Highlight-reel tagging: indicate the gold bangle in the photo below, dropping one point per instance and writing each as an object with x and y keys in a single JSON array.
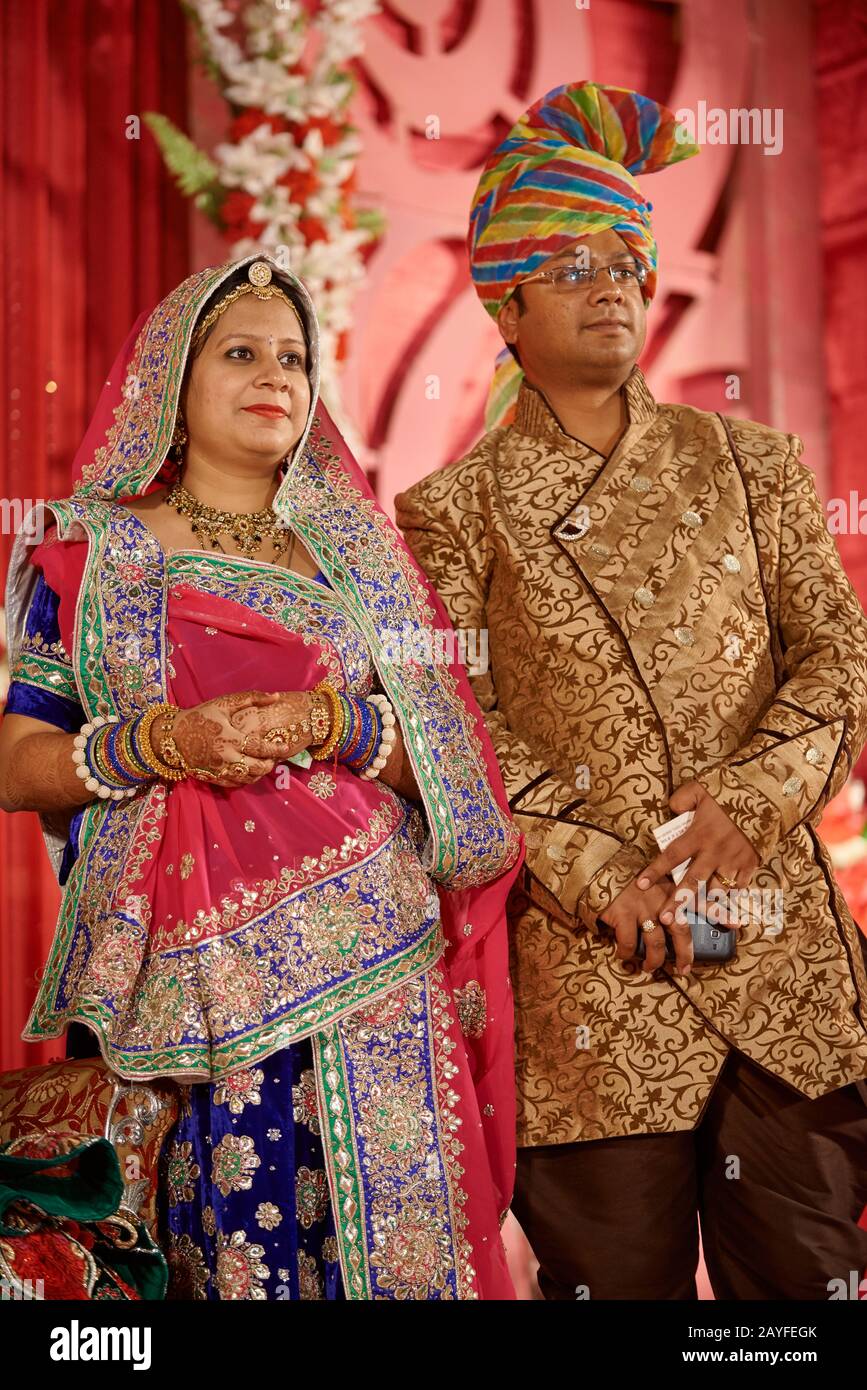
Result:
[
  {"x": 159, "y": 767},
  {"x": 320, "y": 717},
  {"x": 324, "y": 750},
  {"x": 169, "y": 751}
]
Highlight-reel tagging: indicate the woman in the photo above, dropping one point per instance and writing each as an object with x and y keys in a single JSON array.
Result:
[{"x": 315, "y": 948}]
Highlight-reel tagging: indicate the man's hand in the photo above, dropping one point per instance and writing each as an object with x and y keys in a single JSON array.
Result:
[
  {"x": 713, "y": 844},
  {"x": 632, "y": 907}
]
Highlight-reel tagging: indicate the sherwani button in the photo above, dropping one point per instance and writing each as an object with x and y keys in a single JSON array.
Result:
[
  {"x": 645, "y": 597},
  {"x": 792, "y": 786},
  {"x": 692, "y": 519},
  {"x": 732, "y": 564},
  {"x": 813, "y": 755},
  {"x": 640, "y": 484},
  {"x": 685, "y": 636},
  {"x": 601, "y": 549}
]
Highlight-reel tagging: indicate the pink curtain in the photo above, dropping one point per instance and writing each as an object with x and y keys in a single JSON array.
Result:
[
  {"x": 841, "y": 65},
  {"x": 93, "y": 232}
]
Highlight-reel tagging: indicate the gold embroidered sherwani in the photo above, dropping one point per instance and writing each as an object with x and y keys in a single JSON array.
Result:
[{"x": 672, "y": 612}]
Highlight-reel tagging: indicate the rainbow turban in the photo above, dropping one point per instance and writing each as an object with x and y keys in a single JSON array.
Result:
[{"x": 564, "y": 171}]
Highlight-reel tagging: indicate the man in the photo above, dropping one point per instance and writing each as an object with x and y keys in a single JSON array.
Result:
[{"x": 670, "y": 629}]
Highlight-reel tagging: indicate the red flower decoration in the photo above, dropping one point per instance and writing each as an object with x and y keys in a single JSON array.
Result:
[
  {"x": 301, "y": 183},
  {"x": 250, "y": 120},
  {"x": 312, "y": 229},
  {"x": 235, "y": 215},
  {"x": 331, "y": 132}
]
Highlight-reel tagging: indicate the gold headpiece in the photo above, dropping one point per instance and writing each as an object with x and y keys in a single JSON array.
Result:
[{"x": 259, "y": 278}]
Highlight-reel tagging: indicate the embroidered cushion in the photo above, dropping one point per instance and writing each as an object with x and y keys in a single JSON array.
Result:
[{"x": 85, "y": 1098}]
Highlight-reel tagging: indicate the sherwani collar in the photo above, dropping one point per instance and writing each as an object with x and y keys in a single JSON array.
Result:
[{"x": 534, "y": 416}]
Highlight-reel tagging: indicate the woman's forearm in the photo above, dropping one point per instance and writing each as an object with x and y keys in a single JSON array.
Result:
[
  {"x": 38, "y": 774},
  {"x": 398, "y": 772}
]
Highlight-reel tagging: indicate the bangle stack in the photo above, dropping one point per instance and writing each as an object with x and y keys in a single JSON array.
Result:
[
  {"x": 387, "y": 737},
  {"x": 114, "y": 757},
  {"x": 361, "y": 733}
]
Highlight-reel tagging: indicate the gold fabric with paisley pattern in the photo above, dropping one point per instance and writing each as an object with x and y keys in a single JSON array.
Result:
[{"x": 633, "y": 650}]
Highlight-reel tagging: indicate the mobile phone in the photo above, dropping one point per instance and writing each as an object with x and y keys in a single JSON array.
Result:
[{"x": 711, "y": 945}]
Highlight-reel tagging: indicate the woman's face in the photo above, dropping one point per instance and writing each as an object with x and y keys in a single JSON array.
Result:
[{"x": 247, "y": 396}]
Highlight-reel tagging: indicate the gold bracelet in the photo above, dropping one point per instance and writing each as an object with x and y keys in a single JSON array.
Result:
[
  {"x": 160, "y": 768},
  {"x": 324, "y": 750},
  {"x": 169, "y": 751},
  {"x": 320, "y": 716}
]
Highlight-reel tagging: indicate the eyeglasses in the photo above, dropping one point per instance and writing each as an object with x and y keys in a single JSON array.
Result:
[{"x": 565, "y": 278}]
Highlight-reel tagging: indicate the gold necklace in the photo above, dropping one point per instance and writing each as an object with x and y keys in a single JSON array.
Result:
[{"x": 249, "y": 530}]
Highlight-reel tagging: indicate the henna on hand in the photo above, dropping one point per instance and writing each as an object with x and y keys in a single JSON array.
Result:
[
  {"x": 209, "y": 741},
  {"x": 198, "y": 738},
  {"x": 38, "y": 774},
  {"x": 292, "y": 707}
]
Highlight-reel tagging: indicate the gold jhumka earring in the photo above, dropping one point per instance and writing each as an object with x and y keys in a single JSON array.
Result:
[{"x": 179, "y": 439}]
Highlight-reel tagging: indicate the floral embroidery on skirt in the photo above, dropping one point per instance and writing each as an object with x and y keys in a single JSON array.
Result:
[{"x": 244, "y": 1207}]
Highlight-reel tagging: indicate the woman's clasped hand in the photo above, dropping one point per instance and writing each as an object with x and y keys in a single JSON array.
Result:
[{"x": 235, "y": 739}]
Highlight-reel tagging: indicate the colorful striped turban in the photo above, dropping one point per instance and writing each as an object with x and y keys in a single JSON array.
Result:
[{"x": 566, "y": 170}]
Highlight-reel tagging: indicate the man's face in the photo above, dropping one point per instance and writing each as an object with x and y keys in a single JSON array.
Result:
[{"x": 593, "y": 333}]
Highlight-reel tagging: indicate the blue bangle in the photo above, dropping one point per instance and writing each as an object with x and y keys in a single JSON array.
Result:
[
  {"x": 366, "y": 725},
  {"x": 134, "y": 743},
  {"x": 373, "y": 742},
  {"x": 111, "y": 754},
  {"x": 377, "y": 743},
  {"x": 101, "y": 773}
]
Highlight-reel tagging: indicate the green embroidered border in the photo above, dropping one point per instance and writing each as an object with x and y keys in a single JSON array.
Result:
[
  {"x": 89, "y": 635},
  {"x": 341, "y": 1157},
  {"x": 38, "y": 1026},
  {"x": 49, "y": 673},
  {"x": 353, "y": 1168}
]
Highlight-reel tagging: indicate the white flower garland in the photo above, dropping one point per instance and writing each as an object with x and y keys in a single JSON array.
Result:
[{"x": 256, "y": 78}]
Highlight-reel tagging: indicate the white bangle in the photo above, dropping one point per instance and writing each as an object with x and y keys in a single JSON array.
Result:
[
  {"x": 84, "y": 770},
  {"x": 388, "y": 739}
]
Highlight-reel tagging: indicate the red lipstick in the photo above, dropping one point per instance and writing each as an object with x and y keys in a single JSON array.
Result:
[{"x": 272, "y": 412}]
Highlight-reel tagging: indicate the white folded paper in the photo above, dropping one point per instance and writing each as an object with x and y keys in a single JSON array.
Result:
[{"x": 669, "y": 831}]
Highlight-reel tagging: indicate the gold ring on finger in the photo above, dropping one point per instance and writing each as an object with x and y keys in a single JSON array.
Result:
[
  {"x": 648, "y": 925},
  {"x": 726, "y": 882},
  {"x": 279, "y": 735}
]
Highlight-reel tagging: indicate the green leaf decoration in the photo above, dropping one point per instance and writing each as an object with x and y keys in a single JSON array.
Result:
[
  {"x": 372, "y": 220},
  {"x": 193, "y": 170}
]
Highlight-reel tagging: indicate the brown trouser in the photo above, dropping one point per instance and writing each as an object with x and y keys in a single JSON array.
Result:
[{"x": 778, "y": 1182}]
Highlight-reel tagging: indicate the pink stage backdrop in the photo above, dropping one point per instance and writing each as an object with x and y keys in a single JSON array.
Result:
[{"x": 442, "y": 82}]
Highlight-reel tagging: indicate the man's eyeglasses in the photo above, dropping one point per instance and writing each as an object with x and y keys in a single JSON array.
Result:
[{"x": 568, "y": 277}]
